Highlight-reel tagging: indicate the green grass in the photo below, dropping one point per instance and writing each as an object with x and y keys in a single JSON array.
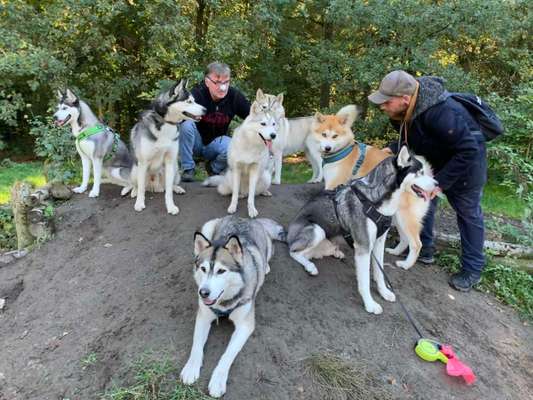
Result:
[
  {"x": 505, "y": 281},
  {"x": 502, "y": 200},
  {"x": 12, "y": 172},
  {"x": 154, "y": 379}
]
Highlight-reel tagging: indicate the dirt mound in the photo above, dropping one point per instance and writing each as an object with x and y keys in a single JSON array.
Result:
[{"x": 114, "y": 283}]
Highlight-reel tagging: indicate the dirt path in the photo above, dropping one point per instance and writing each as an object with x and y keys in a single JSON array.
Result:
[{"x": 116, "y": 283}]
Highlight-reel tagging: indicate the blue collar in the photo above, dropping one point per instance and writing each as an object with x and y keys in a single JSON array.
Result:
[
  {"x": 360, "y": 160},
  {"x": 339, "y": 155}
]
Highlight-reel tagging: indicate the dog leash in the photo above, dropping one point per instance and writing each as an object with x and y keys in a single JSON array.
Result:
[
  {"x": 391, "y": 288},
  {"x": 431, "y": 350}
]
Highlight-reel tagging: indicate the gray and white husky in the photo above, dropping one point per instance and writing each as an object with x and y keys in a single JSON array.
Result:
[
  {"x": 231, "y": 261},
  {"x": 294, "y": 135},
  {"x": 359, "y": 211},
  {"x": 154, "y": 140},
  {"x": 97, "y": 145},
  {"x": 249, "y": 151}
]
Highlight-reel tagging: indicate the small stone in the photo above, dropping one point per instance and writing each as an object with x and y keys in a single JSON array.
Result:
[
  {"x": 2, "y": 304},
  {"x": 392, "y": 381},
  {"x": 24, "y": 334},
  {"x": 451, "y": 296},
  {"x": 108, "y": 245}
]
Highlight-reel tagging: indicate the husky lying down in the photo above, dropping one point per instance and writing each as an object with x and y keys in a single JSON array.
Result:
[
  {"x": 231, "y": 261},
  {"x": 360, "y": 211}
]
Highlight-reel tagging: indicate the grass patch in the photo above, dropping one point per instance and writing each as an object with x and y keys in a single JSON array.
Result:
[
  {"x": 31, "y": 172},
  {"x": 154, "y": 379},
  {"x": 502, "y": 200},
  {"x": 337, "y": 379},
  {"x": 507, "y": 283}
]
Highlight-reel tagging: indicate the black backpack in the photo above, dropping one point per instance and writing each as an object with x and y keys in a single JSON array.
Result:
[{"x": 488, "y": 121}]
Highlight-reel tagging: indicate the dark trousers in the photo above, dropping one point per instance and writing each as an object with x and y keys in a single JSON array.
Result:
[{"x": 467, "y": 206}]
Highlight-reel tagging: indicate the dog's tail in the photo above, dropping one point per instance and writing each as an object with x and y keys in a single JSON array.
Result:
[
  {"x": 274, "y": 230},
  {"x": 121, "y": 175},
  {"x": 300, "y": 235},
  {"x": 213, "y": 181}
]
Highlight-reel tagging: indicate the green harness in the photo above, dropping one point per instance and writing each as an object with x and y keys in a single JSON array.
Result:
[{"x": 95, "y": 130}]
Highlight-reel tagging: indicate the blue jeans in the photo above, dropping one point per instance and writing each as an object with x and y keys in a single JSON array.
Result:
[
  {"x": 467, "y": 206},
  {"x": 191, "y": 146}
]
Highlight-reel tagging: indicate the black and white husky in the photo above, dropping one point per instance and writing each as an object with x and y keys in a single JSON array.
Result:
[
  {"x": 231, "y": 261},
  {"x": 97, "y": 145},
  {"x": 154, "y": 141},
  {"x": 360, "y": 211}
]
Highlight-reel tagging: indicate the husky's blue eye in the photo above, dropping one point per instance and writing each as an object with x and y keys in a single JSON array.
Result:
[{"x": 221, "y": 271}]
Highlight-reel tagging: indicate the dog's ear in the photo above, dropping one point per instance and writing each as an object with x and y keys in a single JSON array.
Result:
[
  {"x": 70, "y": 98},
  {"x": 319, "y": 117},
  {"x": 259, "y": 95},
  {"x": 404, "y": 157},
  {"x": 59, "y": 95},
  {"x": 348, "y": 114},
  {"x": 200, "y": 243},
  {"x": 178, "y": 88},
  {"x": 255, "y": 108},
  {"x": 279, "y": 99},
  {"x": 233, "y": 245}
]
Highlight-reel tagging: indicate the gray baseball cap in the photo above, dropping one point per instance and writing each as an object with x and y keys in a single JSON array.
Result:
[{"x": 395, "y": 83}]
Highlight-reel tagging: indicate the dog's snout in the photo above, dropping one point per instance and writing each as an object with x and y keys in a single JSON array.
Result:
[
  {"x": 327, "y": 148},
  {"x": 273, "y": 135},
  {"x": 204, "y": 293}
]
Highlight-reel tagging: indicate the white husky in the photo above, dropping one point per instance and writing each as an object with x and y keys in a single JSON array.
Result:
[
  {"x": 248, "y": 160},
  {"x": 294, "y": 135}
]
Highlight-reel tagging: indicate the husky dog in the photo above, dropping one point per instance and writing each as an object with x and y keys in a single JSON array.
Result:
[
  {"x": 96, "y": 143},
  {"x": 154, "y": 140},
  {"x": 231, "y": 261},
  {"x": 248, "y": 160},
  {"x": 361, "y": 212},
  {"x": 294, "y": 135},
  {"x": 344, "y": 159}
]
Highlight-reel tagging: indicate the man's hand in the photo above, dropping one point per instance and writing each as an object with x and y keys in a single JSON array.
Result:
[{"x": 435, "y": 192}]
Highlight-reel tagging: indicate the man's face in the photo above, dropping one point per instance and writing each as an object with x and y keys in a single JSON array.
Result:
[
  {"x": 218, "y": 85},
  {"x": 396, "y": 107}
]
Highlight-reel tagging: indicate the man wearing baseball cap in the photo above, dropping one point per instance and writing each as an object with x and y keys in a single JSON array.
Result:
[{"x": 436, "y": 126}]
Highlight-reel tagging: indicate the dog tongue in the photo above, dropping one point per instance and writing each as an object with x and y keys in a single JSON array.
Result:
[{"x": 269, "y": 145}]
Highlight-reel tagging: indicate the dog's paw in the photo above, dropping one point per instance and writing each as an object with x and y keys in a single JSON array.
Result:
[
  {"x": 373, "y": 308},
  {"x": 133, "y": 193},
  {"x": 125, "y": 190},
  {"x": 393, "y": 251},
  {"x": 311, "y": 269},
  {"x": 190, "y": 373},
  {"x": 232, "y": 208},
  {"x": 94, "y": 193},
  {"x": 388, "y": 295},
  {"x": 276, "y": 182},
  {"x": 252, "y": 212},
  {"x": 173, "y": 209},
  {"x": 139, "y": 206},
  {"x": 403, "y": 264},
  {"x": 266, "y": 193},
  {"x": 242, "y": 195},
  {"x": 338, "y": 254},
  {"x": 79, "y": 189},
  {"x": 314, "y": 180},
  {"x": 178, "y": 189},
  {"x": 217, "y": 384}
]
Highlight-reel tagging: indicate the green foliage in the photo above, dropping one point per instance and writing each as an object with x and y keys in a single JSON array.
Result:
[
  {"x": 8, "y": 235},
  {"x": 56, "y": 146},
  {"x": 12, "y": 172},
  {"x": 509, "y": 284}
]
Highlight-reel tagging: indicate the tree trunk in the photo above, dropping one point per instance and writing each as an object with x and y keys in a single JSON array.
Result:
[{"x": 325, "y": 86}]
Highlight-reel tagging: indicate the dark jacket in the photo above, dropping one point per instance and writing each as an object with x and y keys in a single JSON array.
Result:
[
  {"x": 219, "y": 114},
  {"x": 443, "y": 131}
]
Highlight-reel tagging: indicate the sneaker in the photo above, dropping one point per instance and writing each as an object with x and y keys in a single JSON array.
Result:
[
  {"x": 188, "y": 175},
  {"x": 426, "y": 255},
  {"x": 463, "y": 281}
]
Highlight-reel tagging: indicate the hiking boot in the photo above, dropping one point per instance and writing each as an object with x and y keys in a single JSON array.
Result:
[
  {"x": 208, "y": 169},
  {"x": 426, "y": 255},
  {"x": 188, "y": 175},
  {"x": 463, "y": 281}
]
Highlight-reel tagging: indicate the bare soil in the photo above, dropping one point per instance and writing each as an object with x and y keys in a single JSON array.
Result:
[{"x": 116, "y": 283}]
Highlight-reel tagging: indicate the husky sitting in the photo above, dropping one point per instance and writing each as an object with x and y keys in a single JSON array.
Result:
[
  {"x": 231, "y": 261},
  {"x": 248, "y": 160},
  {"x": 361, "y": 212},
  {"x": 154, "y": 140},
  {"x": 96, "y": 143},
  {"x": 294, "y": 135},
  {"x": 344, "y": 159}
]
